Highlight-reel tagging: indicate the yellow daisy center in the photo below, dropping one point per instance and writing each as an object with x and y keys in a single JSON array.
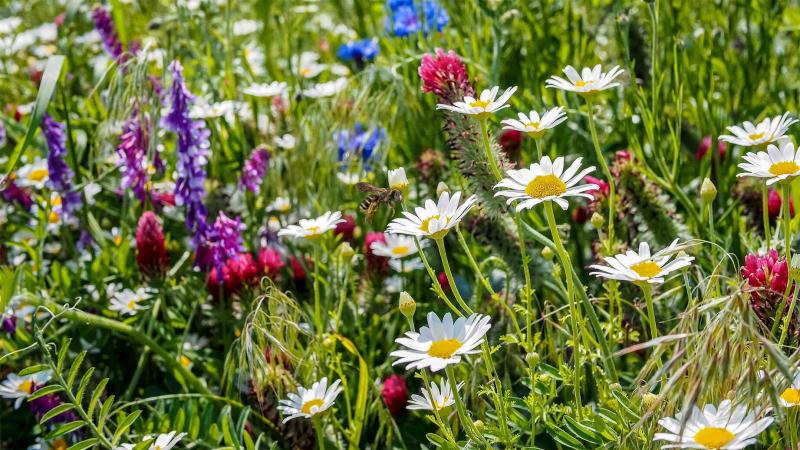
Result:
[
  {"x": 713, "y": 438},
  {"x": 755, "y": 136},
  {"x": 56, "y": 201},
  {"x": 59, "y": 444},
  {"x": 791, "y": 396},
  {"x": 444, "y": 348},
  {"x": 37, "y": 174},
  {"x": 118, "y": 240},
  {"x": 400, "y": 250},
  {"x": 306, "y": 408},
  {"x": 53, "y": 217},
  {"x": 647, "y": 269},
  {"x": 784, "y": 168},
  {"x": 26, "y": 386},
  {"x": 305, "y": 71},
  {"x": 185, "y": 362},
  {"x": 534, "y": 125},
  {"x": 132, "y": 305},
  {"x": 480, "y": 103},
  {"x": 545, "y": 186},
  {"x": 427, "y": 222},
  {"x": 582, "y": 83},
  {"x": 437, "y": 406}
]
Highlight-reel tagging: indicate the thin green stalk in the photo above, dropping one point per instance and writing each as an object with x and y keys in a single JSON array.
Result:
[
  {"x": 318, "y": 430},
  {"x": 317, "y": 307},
  {"x": 651, "y": 314},
  {"x": 765, "y": 214},
  {"x": 527, "y": 295},
  {"x": 609, "y": 178},
  {"x": 488, "y": 147},
  {"x": 436, "y": 287},
  {"x": 463, "y": 415},
  {"x": 566, "y": 264},
  {"x": 538, "y": 148},
  {"x": 788, "y": 316},
  {"x": 450, "y": 279}
]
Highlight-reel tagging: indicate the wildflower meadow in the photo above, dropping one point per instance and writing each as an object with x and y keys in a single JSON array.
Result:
[{"x": 399, "y": 224}]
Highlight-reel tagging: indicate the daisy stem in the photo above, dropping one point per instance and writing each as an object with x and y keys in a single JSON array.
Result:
[
  {"x": 787, "y": 318},
  {"x": 489, "y": 154},
  {"x": 317, "y": 308},
  {"x": 449, "y": 273},
  {"x": 527, "y": 294},
  {"x": 651, "y": 314},
  {"x": 765, "y": 213},
  {"x": 606, "y": 172},
  {"x": 538, "y": 148},
  {"x": 787, "y": 220},
  {"x": 436, "y": 286},
  {"x": 563, "y": 256},
  {"x": 463, "y": 415},
  {"x": 318, "y": 425},
  {"x": 484, "y": 281}
]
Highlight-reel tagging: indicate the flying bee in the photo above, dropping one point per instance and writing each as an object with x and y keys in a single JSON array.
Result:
[{"x": 376, "y": 196}]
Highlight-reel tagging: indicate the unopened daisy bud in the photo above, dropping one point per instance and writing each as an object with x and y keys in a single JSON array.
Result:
[
  {"x": 397, "y": 179},
  {"x": 532, "y": 359},
  {"x": 345, "y": 252},
  {"x": 479, "y": 425},
  {"x": 708, "y": 192},
  {"x": 441, "y": 188},
  {"x": 649, "y": 400},
  {"x": 407, "y": 305},
  {"x": 547, "y": 253},
  {"x": 544, "y": 378},
  {"x": 597, "y": 221}
]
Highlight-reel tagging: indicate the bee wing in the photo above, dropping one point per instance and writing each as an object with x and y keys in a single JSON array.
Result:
[{"x": 366, "y": 187}]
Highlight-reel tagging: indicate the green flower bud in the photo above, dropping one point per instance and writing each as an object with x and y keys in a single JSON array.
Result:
[
  {"x": 532, "y": 358},
  {"x": 441, "y": 187},
  {"x": 708, "y": 192},
  {"x": 407, "y": 305},
  {"x": 345, "y": 252},
  {"x": 547, "y": 254},
  {"x": 649, "y": 400},
  {"x": 479, "y": 425},
  {"x": 597, "y": 221}
]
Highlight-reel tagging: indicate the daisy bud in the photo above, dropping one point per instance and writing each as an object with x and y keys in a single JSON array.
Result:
[
  {"x": 398, "y": 179},
  {"x": 395, "y": 394},
  {"x": 441, "y": 188},
  {"x": 407, "y": 305},
  {"x": 345, "y": 252},
  {"x": 708, "y": 192},
  {"x": 649, "y": 400},
  {"x": 479, "y": 425},
  {"x": 547, "y": 254},
  {"x": 151, "y": 253},
  {"x": 532, "y": 359},
  {"x": 597, "y": 221}
]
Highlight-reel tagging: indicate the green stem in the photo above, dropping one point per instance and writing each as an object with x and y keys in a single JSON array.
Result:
[
  {"x": 318, "y": 430},
  {"x": 317, "y": 307},
  {"x": 527, "y": 294},
  {"x": 436, "y": 286},
  {"x": 787, "y": 220},
  {"x": 489, "y": 153},
  {"x": 450, "y": 279},
  {"x": 463, "y": 415},
  {"x": 609, "y": 178},
  {"x": 788, "y": 316},
  {"x": 765, "y": 214},
  {"x": 651, "y": 315},
  {"x": 85, "y": 319},
  {"x": 538, "y": 148},
  {"x": 566, "y": 264}
]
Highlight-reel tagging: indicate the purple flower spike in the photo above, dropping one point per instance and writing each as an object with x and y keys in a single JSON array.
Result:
[
  {"x": 104, "y": 25},
  {"x": 131, "y": 159},
  {"x": 60, "y": 174},
  {"x": 254, "y": 169}
]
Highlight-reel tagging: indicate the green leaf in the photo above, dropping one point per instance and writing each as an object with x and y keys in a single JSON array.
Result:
[
  {"x": 47, "y": 87},
  {"x": 44, "y": 391},
  {"x": 33, "y": 369},
  {"x": 124, "y": 425},
  {"x": 82, "y": 385},
  {"x": 64, "y": 429},
  {"x": 62, "y": 408},
  {"x": 103, "y": 414},
  {"x": 84, "y": 445},
  {"x": 73, "y": 371},
  {"x": 582, "y": 431},
  {"x": 564, "y": 438},
  {"x": 98, "y": 391},
  {"x": 62, "y": 355}
]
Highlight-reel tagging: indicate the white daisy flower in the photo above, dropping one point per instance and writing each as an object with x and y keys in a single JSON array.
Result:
[
  {"x": 775, "y": 164},
  {"x": 280, "y": 204},
  {"x": 34, "y": 175},
  {"x": 483, "y": 106},
  {"x": 287, "y": 141},
  {"x": 589, "y": 81},
  {"x": 726, "y": 427},
  {"x": 128, "y": 301},
  {"x": 311, "y": 401},
  {"x": 437, "y": 399},
  {"x": 396, "y": 246},
  {"x": 435, "y": 219},
  {"x": 20, "y": 388},
  {"x": 442, "y": 342},
  {"x": 265, "y": 90},
  {"x": 407, "y": 265},
  {"x": 162, "y": 441},
  {"x": 348, "y": 178},
  {"x": 397, "y": 179},
  {"x": 545, "y": 181},
  {"x": 534, "y": 125},
  {"x": 327, "y": 89},
  {"x": 313, "y": 228},
  {"x": 642, "y": 267},
  {"x": 767, "y": 131}
]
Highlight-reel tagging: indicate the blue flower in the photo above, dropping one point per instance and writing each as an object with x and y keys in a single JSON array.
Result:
[
  {"x": 359, "y": 142},
  {"x": 359, "y": 51},
  {"x": 404, "y": 19}
]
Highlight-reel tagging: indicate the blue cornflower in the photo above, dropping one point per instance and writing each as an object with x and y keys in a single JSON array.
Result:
[
  {"x": 359, "y": 51},
  {"x": 405, "y": 19},
  {"x": 359, "y": 142}
]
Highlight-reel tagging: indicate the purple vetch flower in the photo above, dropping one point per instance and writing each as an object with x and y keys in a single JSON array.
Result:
[
  {"x": 60, "y": 174},
  {"x": 104, "y": 25},
  {"x": 193, "y": 149},
  {"x": 85, "y": 241},
  {"x": 254, "y": 169},
  {"x": 2, "y": 135},
  {"x": 15, "y": 194},
  {"x": 225, "y": 240},
  {"x": 9, "y": 324},
  {"x": 131, "y": 159}
]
